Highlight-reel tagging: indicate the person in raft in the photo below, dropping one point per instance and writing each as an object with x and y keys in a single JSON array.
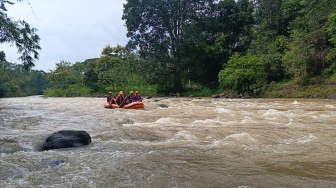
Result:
[
  {"x": 137, "y": 97},
  {"x": 111, "y": 99},
  {"x": 121, "y": 99},
  {"x": 130, "y": 97}
]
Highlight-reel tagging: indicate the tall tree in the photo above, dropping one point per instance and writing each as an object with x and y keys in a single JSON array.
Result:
[
  {"x": 331, "y": 29},
  {"x": 309, "y": 45},
  {"x": 20, "y": 34},
  {"x": 112, "y": 68},
  {"x": 225, "y": 30},
  {"x": 90, "y": 76},
  {"x": 15, "y": 81},
  {"x": 156, "y": 29},
  {"x": 67, "y": 74}
]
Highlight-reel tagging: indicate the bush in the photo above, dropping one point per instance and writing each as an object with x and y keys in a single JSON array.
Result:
[
  {"x": 76, "y": 90},
  {"x": 244, "y": 74},
  {"x": 197, "y": 91}
]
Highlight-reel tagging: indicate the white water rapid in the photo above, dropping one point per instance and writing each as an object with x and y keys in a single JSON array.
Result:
[{"x": 172, "y": 142}]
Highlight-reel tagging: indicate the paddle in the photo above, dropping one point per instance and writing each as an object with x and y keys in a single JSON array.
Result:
[{"x": 122, "y": 104}]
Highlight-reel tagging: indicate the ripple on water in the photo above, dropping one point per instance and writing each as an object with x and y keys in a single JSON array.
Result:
[
  {"x": 301, "y": 140},
  {"x": 238, "y": 139},
  {"x": 183, "y": 137},
  {"x": 207, "y": 122},
  {"x": 222, "y": 110},
  {"x": 166, "y": 120},
  {"x": 192, "y": 143}
]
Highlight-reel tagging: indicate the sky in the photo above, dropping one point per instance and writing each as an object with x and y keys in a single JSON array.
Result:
[{"x": 69, "y": 30}]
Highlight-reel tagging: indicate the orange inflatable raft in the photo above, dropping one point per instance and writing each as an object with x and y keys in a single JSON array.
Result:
[{"x": 133, "y": 105}]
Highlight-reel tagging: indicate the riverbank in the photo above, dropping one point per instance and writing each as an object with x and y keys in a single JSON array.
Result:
[{"x": 319, "y": 88}]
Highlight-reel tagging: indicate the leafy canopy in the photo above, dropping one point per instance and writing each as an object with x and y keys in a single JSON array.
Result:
[{"x": 20, "y": 34}]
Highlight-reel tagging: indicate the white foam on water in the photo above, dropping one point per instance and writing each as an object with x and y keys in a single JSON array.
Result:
[
  {"x": 315, "y": 117},
  {"x": 221, "y": 110},
  {"x": 272, "y": 114},
  {"x": 241, "y": 137},
  {"x": 238, "y": 138},
  {"x": 183, "y": 136},
  {"x": 243, "y": 186},
  {"x": 166, "y": 120},
  {"x": 206, "y": 122},
  {"x": 306, "y": 139},
  {"x": 324, "y": 116},
  {"x": 248, "y": 119},
  {"x": 320, "y": 116},
  {"x": 296, "y": 103},
  {"x": 330, "y": 106},
  {"x": 301, "y": 140},
  {"x": 219, "y": 143},
  {"x": 133, "y": 124},
  {"x": 291, "y": 116}
]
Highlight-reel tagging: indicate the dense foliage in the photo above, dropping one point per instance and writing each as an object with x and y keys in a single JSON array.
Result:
[
  {"x": 15, "y": 81},
  {"x": 254, "y": 47},
  {"x": 20, "y": 34},
  {"x": 115, "y": 70},
  {"x": 187, "y": 40}
]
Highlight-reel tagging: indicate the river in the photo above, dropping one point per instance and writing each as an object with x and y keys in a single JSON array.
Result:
[{"x": 172, "y": 142}]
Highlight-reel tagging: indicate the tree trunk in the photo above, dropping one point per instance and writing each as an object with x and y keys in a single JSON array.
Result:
[{"x": 177, "y": 77}]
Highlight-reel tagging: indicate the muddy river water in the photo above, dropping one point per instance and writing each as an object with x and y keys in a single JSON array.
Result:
[{"x": 172, "y": 142}]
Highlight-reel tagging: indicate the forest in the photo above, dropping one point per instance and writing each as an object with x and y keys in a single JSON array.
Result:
[{"x": 259, "y": 48}]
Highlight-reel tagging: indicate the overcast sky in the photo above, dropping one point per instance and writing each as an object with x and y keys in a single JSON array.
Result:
[{"x": 70, "y": 30}]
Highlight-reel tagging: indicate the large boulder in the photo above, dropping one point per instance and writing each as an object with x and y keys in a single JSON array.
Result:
[{"x": 66, "y": 139}]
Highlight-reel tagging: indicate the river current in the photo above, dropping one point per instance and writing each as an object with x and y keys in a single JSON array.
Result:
[{"x": 172, "y": 142}]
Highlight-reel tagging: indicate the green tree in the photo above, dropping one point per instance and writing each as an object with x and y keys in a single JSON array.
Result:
[
  {"x": 219, "y": 34},
  {"x": 244, "y": 74},
  {"x": 90, "y": 75},
  {"x": 38, "y": 82},
  {"x": 187, "y": 40},
  {"x": 15, "y": 81},
  {"x": 272, "y": 19},
  {"x": 112, "y": 68},
  {"x": 156, "y": 29},
  {"x": 65, "y": 75},
  {"x": 331, "y": 29},
  {"x": 20, "y": 34},
  {"x": 308, "y": 42},
  {"x": 273, "y": 59},
  {"x": 67, "y": 80}
]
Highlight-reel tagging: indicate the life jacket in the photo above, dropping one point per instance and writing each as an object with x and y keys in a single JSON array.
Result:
[
  {"x": 137, "y": 98},
  {"x": 130, "y": 97},
  {"x": 120, "y": 99},
  {"x": 109, "y": 98}
]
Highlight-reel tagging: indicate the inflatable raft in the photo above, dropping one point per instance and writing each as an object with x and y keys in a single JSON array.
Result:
[{"x": 133, "y": 105}]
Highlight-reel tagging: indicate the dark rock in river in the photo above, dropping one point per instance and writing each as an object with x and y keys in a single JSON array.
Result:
[
  {"x": 163, "y": 106},
  {"x": 52, "y": 162},
  {"x": 66, "y": 139}
]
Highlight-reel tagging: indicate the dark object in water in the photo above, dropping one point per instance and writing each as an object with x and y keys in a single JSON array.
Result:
[{"x": 66, "y": 139}]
